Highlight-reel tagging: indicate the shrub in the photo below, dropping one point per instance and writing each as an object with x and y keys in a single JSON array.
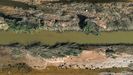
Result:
[
  {"x": 20, "y": 26},
  {"x": 118, "y": 25},
  {"x": 91, "y": 27}
]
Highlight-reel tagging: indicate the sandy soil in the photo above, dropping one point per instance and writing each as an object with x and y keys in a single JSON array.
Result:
[
  {"x": 35, "y": 62},
  {"x": 86, "y": 60},
  {"x": 7, "y": 9}
]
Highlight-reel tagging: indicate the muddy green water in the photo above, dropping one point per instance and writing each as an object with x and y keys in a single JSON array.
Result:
[
  {"x": 15, "y": 4},
  {"x": 46, "y": 37},
  {"x": 57, "y": 71}
]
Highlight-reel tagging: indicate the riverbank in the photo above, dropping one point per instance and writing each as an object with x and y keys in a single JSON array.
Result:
[
  {"x": 93, "y": 60},
  {"x": 90, "y": 18},
  {"x": 85, "y": 60}
]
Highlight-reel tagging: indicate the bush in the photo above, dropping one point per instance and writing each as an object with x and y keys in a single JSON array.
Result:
[
  {"x": 20, "y": 26},
  {"x": 91, "y": 27},
  {"x": 118, "y": 25}
]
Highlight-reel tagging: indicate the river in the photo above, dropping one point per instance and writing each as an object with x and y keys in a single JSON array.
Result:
[{"x": 47, "y": 37}]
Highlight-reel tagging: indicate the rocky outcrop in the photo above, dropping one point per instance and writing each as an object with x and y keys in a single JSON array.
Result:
[{"x": 3, "y": 24}]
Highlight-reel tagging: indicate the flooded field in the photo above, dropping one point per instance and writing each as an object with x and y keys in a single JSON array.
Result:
[{"x": 46, "y": 37}]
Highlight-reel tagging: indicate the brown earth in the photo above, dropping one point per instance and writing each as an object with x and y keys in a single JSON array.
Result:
[
  {"x": 87, "y": 59},
  {"x": 42, "y": 65},
  {"x": 7, "y": 9}
]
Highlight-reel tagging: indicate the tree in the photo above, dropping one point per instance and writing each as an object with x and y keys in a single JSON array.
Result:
[{"x": 91, "y": 27}]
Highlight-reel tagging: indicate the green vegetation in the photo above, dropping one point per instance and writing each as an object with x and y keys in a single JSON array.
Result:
[
  {"x": 16, "y": 53},
  {"x": 91, "y": 27},
  {"x": 121, "y": 24},
  {"x": 56, "y": 52},
  {"x": 116, "y": 16},
  {"x": 21, "y": 26}
]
